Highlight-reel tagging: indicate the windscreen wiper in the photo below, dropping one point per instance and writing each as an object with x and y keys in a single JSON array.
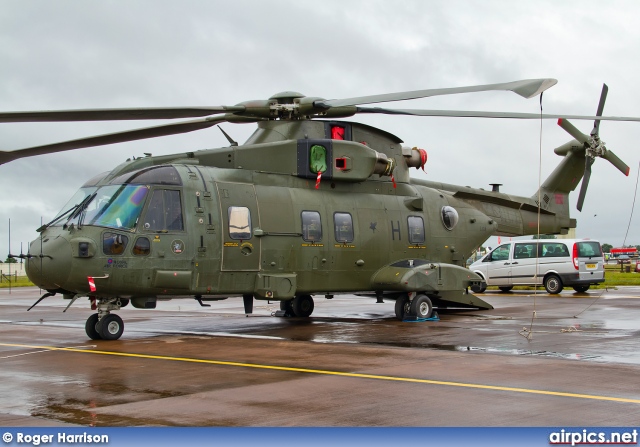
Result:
[{"x": 83, "y": 203}]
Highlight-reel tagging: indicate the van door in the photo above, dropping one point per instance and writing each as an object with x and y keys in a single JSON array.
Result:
[
  {"x": 241, "y": 251},
  {"x": 499, "y": 266},
  {"x": 524, "y": 262},
  {"x": 590, "y": 260}
]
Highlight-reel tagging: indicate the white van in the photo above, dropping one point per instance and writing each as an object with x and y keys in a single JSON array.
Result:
[{"x": 560, "y": 262}]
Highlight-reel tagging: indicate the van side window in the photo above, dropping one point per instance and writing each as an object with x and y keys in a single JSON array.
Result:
[
  {"x": 524, "y": 251},
  {"x": 554, "y": 249},
  {"x": 311, "y": 226},
  {"x": 239, "y": 223},
  {"x": 416, "y": 230},
  {"x": 343, "y": 227},
  {"x": 499, "y": 254}
]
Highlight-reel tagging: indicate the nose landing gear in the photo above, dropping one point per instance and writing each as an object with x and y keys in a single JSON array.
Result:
[{"x": 105, "y": 325}]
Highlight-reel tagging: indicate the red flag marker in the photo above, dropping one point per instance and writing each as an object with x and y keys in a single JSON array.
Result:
[{"x": 92, "y": 284}]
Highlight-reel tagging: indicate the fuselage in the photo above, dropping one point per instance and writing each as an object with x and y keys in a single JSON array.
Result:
[{"x": 253, "y": 220}]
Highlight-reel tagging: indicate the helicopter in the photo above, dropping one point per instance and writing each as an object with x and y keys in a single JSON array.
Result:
[{"x": 309, "y": 205}]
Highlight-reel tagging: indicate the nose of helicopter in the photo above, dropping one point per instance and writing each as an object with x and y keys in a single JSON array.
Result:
[{"x": 50, "y": 263}]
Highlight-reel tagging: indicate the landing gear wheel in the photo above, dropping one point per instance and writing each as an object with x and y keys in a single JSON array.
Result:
[
  {"x": 421, "y": 306},
  {"x": 302, "y": 305},
  {"x": 91, "y": 328},
  {"x": 111, "y": 327},
  {"x": 506, "y": 288},
  {"x": 402, "y": 307},
  {"x": 581, "y": 289},
  {"x": 553, "y": 284},
  {"x": 286, "y": 306}
]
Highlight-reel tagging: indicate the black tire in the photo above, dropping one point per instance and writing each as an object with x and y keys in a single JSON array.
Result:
[
  {"x": 111, "y": 327},
  {"x": 421, "y": 306},
  {"x": 581, "y": 289},
  {"x": 506, "y": 289},
  {"x": 479, "y": 289},
  {"x": 91, "y": 328},
  {"x": 303, "y": 305},
  {"x": 402, "y": 307},
  {"x": 286, "y": 306},
  {"x": 553, "y": 284}
]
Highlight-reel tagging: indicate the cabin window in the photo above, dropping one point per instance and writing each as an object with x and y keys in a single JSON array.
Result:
[
  {"x": 343, "y": 227},
  {"x": 524, "y": 251},
  {"x": 239, "y": 223},
  {"x": 416, "y": 230},
  {"x": 311, "y": 226},
  {"x": 554, "y": 250},
  {"x": 113, "y": 244},
  {"x": 142, "y": 247},
  {"x": 449, "y": 217},
  {"x": 164, "y": 212}
]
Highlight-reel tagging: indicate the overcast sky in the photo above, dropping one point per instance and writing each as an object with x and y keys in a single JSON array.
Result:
[{"x": 134, "y": 53}]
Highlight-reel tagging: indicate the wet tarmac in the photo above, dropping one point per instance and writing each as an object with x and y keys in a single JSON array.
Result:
[{"x": 535, "y": 360}]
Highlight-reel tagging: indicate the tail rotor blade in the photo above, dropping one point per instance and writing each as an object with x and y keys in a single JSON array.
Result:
[
  {"x": 603, "y": 98},
  {"x": 585, "y": 182},
  {"x": 573, "y": 131},
  {"x": 614, "y": 160}
]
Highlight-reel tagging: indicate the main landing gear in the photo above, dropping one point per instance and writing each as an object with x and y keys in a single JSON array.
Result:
[
  {"x": 300, "y": 306},
  {"x": 105, "y": 325},
  {"x": 420, "y": 307}
]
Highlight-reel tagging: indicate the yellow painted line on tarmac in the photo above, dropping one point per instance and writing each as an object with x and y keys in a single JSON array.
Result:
[{"x": 330, "y": 373}]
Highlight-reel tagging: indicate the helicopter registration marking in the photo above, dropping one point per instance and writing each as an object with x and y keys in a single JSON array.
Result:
[{"x": 330, "y": 373}]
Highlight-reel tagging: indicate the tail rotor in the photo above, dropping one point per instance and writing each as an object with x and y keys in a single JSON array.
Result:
[{"x": 593, "y": 147}]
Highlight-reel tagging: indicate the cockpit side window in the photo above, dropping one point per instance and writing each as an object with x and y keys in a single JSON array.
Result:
[{"x": 164, "y": 212}]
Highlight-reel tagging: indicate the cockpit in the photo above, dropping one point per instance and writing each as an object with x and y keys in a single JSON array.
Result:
[{"x": 119, "y": 203}]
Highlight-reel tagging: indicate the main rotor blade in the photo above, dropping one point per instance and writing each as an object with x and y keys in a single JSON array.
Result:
[
  {"x": 481, "y": 114},
  {"x": 603, "y": 98},
  {"x": 115, "y": 114},
  {"x": 585, "y": 182},
  {"x": 112, "y": 138},
  {"x": 614, "y": 160},
  {"x": 527, "y": 88}
]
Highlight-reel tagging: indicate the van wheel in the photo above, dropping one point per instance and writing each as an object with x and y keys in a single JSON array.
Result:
[
  {"x": 580, "y": 289},
  {"x": 553, "y": 284},
  {"x": 506, "y": 288}
]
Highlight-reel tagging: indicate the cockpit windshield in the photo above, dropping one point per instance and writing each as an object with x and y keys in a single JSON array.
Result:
[
  {"x": 117, "y": 204},
  {"x": 113, "y": 206}
]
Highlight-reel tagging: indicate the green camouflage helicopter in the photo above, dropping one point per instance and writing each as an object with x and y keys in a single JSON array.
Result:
[{"x": 308, "y": 205}]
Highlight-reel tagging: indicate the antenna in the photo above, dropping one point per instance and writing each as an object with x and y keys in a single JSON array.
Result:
[
  {"x": 9, "y": 257},
  {"x": 229, "y": 139}
]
